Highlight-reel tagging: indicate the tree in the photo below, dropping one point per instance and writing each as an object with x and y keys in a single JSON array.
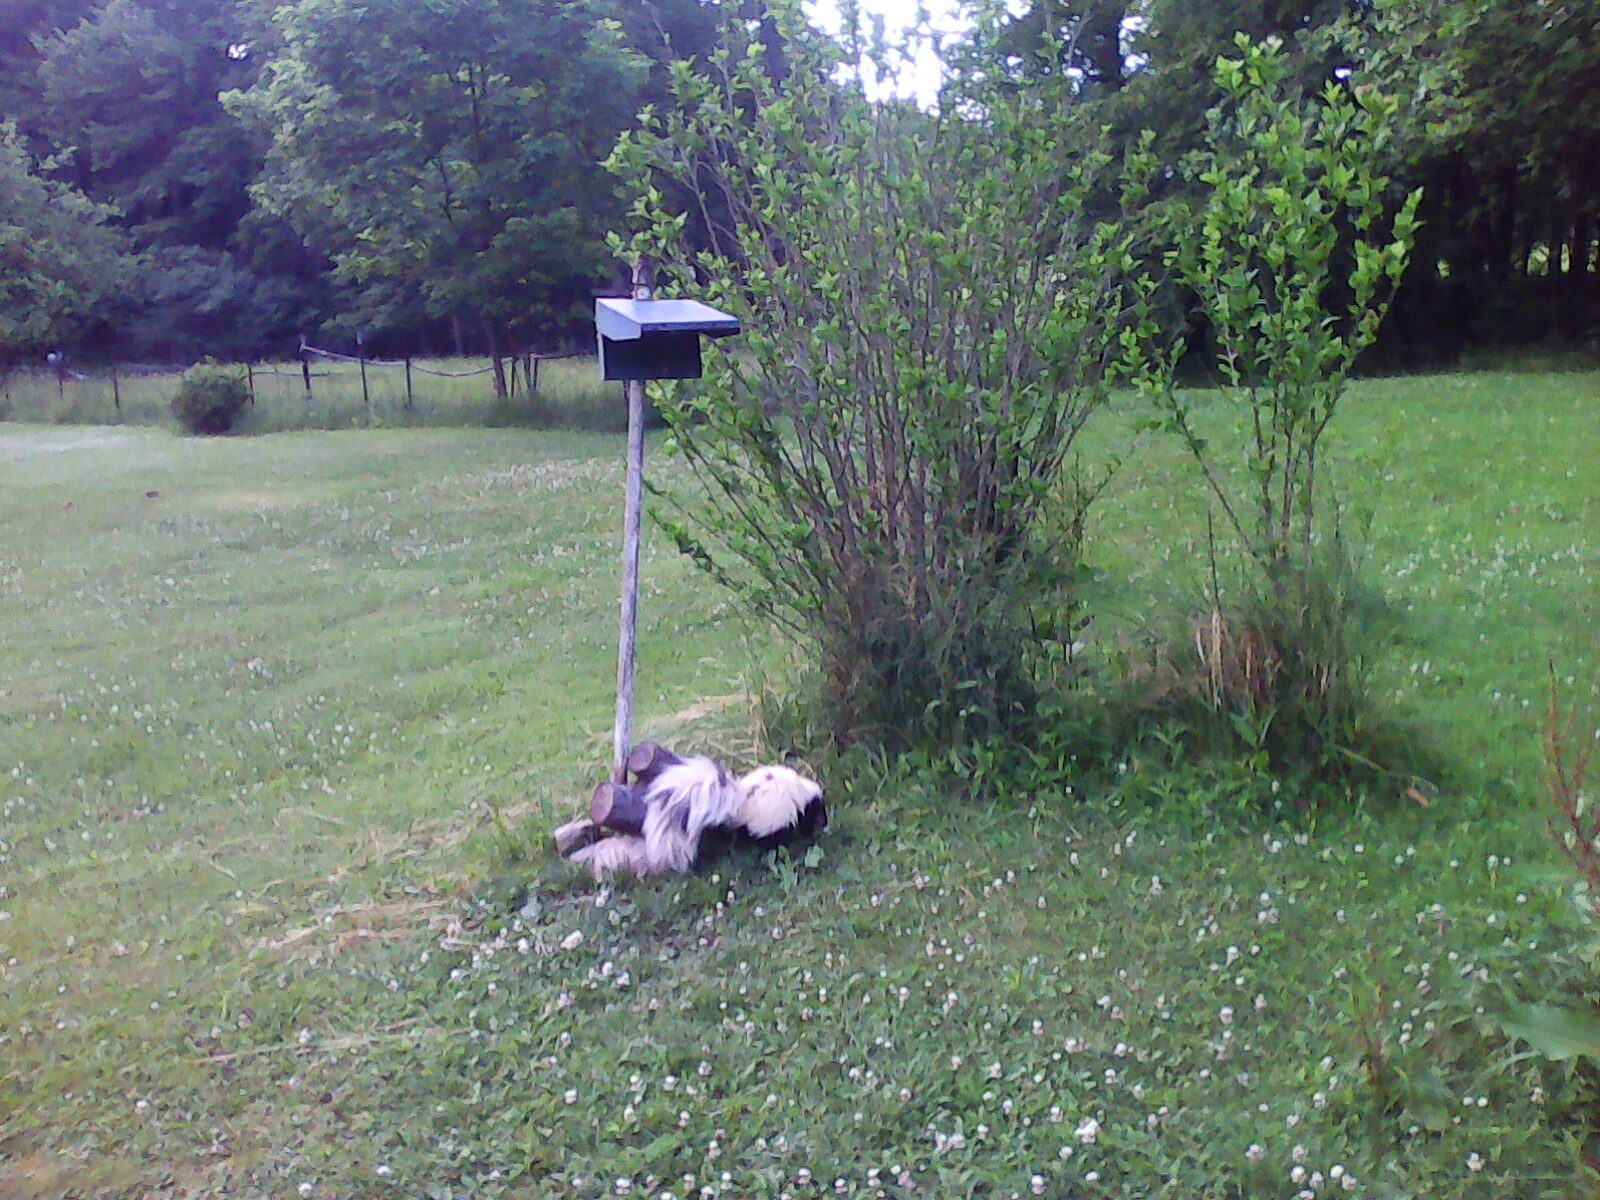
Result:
[
  {"x": 128, "y": 100},
  {"x": 449, "y": 148},
  {"x": 62, "y": 266},
  {"x": 1076, "y": 37},
  {"x": 1503, "y": 129}
]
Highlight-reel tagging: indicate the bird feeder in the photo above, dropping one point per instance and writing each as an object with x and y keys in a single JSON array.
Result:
[
  {"x": 656, "y": 339},
  {"x": 644, "y": 338}
]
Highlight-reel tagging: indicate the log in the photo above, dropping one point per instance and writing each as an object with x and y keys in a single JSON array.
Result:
[
  {"x": 647, "y": 760},
  {"x": 619, "y": 807}
]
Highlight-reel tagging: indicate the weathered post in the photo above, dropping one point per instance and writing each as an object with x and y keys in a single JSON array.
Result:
[
  {"x": 639, "y": 339},
  {"x": 643, "y": 289},
  {"x": 58, "y": 363},
  {"x": 361, "y": 353},
  {"x": 409, "y": 400},
  {"x": 305, "y": 372},
  {"x": 116, "y": 391}
]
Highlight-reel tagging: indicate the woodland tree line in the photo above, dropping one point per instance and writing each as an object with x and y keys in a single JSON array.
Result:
[{"x": 187, "y": 178}]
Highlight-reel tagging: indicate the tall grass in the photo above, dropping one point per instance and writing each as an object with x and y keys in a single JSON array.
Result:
[{"x": 570, "y": 395}]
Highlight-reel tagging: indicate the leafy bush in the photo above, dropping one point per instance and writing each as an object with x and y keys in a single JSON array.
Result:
[
  {"x": 1293, "y": 255},
  {"x": 932, "y": 314},
  {"x": 210, "y": 398}
]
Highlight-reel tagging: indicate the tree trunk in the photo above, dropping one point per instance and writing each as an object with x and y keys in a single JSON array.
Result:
[
  {"x": 1102, "y": 42},
  {"x": 1578, "y": 248},
  {"x": 1503, "y": 237},
  {"x": 500, "y": 389}
]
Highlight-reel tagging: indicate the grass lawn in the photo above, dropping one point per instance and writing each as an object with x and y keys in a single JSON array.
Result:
[{"x": 284, "y": 720}]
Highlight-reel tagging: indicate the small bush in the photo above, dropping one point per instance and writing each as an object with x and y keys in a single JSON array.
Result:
[
  {"x": 210, "y": 398},
  {"x": 1294, "y": 253}
]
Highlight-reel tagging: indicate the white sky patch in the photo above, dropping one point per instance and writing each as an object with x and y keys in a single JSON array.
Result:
[{"x": 921, "y": 76}]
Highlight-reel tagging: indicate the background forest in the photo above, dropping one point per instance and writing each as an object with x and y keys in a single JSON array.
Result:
[{"x": 188, "y": 178}]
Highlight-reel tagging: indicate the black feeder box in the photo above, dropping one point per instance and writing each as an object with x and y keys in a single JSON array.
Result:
[{"x": 656, "y": 339}]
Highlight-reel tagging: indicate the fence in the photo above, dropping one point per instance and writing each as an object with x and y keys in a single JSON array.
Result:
[{"x": 325, "y": 389}]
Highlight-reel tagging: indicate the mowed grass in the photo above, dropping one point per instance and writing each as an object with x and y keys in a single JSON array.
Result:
[
  {"x": 286, "y": 719},
  {"x": 250, "y": 682}
]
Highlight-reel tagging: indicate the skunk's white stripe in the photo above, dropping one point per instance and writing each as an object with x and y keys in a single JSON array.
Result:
[
  {"x": 681, "y": 803},
  {"x": 774, "y": 798}
]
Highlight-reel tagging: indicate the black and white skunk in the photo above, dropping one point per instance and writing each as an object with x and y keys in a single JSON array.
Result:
[{"x": 686, "y": 811}]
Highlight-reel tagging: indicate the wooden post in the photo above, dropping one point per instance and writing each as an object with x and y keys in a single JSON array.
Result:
[
  {"x": 305, "y": 372},
  {"x": 408, "y": 383},
  {"x": 361, "y": 352},
  {"x": 249, "y": 380},
  {"x": 116, "y": 391},
  {"x": 632, "y": 507}
]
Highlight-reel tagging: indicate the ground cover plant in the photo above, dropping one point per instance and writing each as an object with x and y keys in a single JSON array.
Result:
[{"x": 283, "y": 721}]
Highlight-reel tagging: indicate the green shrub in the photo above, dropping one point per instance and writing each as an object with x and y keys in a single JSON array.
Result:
[
  {"x": 210, "y": 398},
  {"x": 893, "y": 431},
  {"x": 1294, "y": 253}
]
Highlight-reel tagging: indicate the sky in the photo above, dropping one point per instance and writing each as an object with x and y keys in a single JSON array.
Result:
[{"x": 922, "y": 77}]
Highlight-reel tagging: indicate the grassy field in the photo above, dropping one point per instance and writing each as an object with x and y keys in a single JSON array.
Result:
[
  {"x": 445, "y": 393},
  {"x": 284, "y": 719}
]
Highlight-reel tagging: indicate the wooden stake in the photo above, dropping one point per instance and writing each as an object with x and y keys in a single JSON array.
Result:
[
  {"x": 632, "y": 508},
  {"x": 305, "y": 371},
  {"x": 409, "y": 399}
]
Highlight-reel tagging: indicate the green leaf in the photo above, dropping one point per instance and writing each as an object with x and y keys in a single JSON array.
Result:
[{"x": 1556, "y": 1032}]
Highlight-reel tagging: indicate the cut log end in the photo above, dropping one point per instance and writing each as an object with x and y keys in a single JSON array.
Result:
[
  {"x": 618, "y": 807},
  {"x": 647, "y": 760}
]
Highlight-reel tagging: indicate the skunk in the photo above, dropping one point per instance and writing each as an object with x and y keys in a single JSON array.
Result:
[
  {"x": 779, "y": 806},
  {"x": 694, "y": 811}
]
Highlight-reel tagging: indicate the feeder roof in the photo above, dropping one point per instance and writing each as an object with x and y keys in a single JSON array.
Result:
[{"x": 629, "y": 320}]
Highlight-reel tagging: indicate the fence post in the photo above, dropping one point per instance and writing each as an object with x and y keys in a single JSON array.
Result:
[
  {"x": 249, "y": 381},
  {"x": 116, "y": 391},
  {"x": 58, "y": 361},
  {"x": 305, "y": 373},
  {"x": 361, "y": 352},
  {"x": 408, "y": 383}
]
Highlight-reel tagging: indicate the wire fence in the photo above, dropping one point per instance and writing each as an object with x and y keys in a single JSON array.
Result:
[{"x": 326, "y": 388}]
